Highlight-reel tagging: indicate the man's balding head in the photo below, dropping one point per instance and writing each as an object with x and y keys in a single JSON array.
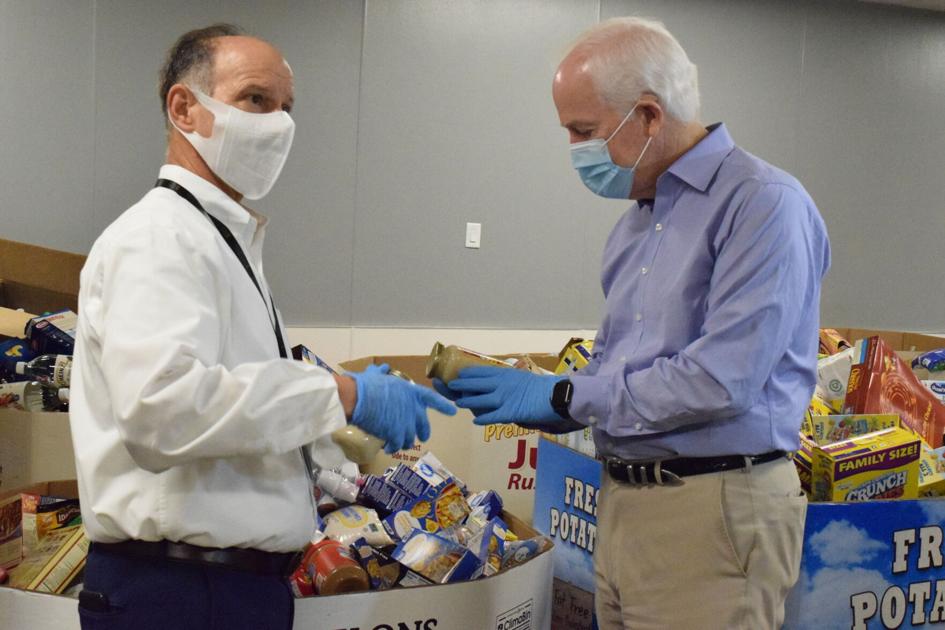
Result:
[
  {"x": 190, "y": 60},
  {"x": 628, "y": 57}
]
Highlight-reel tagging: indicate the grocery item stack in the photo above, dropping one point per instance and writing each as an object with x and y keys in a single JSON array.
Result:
[
  {"x": 415, "y": 525},
  {"x": 35, "y": 369},
  {"x": 874, "y": 430}
]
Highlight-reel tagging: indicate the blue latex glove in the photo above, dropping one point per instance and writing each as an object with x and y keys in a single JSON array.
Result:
[
  {"x": 502, "y": 395},
  {"x": 443, "y": 390},
  {"x": 393, "y": 409}
]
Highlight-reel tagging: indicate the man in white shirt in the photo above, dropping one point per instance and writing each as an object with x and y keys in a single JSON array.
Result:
[{"x": 189, "y": 423}]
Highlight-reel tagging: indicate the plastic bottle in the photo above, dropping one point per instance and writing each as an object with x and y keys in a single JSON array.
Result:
[
  {"x": 445, "y": 362},
  {"x": 49, "y": 369},
  {"x": 33, "y": 396},
  {"x": 335, "y": 484}
]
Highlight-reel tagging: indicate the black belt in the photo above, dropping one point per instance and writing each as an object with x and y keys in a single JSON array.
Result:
[
  {"x": 249, "y": 560},
  {"x": 671, "y": 470}
]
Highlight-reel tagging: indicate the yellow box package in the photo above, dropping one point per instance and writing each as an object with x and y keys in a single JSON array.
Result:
[
  {"x": 879, "y": 465},
  {"x": 804, "y": 462},
  {"x": 575, "y": 355},
  {"x": 932, "y": 471},
  {"x": 830, "y": 429}
]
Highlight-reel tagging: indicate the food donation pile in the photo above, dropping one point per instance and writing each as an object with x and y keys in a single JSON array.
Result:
[{"x": 874, "y": 429}]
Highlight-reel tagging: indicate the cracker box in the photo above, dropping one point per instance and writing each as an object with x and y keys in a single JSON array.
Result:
[
  {"x": 879, "y": 465},
  {"x": 836, "y": 428},
  {"x": 932, "y": 472},
  {"x": 11, "y": 531}
]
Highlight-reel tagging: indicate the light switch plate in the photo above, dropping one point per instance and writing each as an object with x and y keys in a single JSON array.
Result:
[{"x": 473, "y": 235}]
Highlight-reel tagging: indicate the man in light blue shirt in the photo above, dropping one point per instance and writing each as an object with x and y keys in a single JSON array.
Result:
[{"x": 705, "y": 360}]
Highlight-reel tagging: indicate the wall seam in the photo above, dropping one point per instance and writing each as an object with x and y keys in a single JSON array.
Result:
[
  {"x": 800, "y": 88},
  {"x": 94, "y": 178},
  {"x": 357, "y": 178}
]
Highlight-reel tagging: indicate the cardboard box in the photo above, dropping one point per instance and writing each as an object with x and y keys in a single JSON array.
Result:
[
  {"x": 38, "y": 279},
  {"x": 497, "y": 457},
  {"x": 879, "y": 465},
  {"x": 34, "y": 446},
  {"x": 519, "y": 598}
]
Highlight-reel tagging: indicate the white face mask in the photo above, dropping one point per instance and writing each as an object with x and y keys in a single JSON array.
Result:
[{"x": 245, "y": 150}]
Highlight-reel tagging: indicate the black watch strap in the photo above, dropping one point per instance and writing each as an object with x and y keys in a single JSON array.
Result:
[{"x": 561, "y": 398}]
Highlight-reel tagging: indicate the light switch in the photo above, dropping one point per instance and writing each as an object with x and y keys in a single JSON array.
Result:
[{"x": 473, "y": 235}]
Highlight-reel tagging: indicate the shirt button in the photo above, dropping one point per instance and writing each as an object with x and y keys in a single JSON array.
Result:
[
  {"x": 592, "y": 420},
  {"x": 623, "y": 359},
  {"x": 644, "y": 270},
  {"x": 638, "y": 316},
  {"x": 659, "y": 227},
  {"x": 638, "y": 426}
]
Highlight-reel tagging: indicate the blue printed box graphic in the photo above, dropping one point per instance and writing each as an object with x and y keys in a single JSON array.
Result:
[{"x": 566, "y": 509}]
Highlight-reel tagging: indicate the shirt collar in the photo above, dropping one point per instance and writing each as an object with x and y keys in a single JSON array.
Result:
[
  {"x": 242, "y": 221},
  {"x": 698, "y": 165}
]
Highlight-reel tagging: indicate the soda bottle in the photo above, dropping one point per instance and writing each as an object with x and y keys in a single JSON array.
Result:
[{"x": 49, "y": 369}]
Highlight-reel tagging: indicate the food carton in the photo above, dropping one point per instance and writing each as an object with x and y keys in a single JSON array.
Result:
[
  {"x": 879, "y": 465},
  {"x": 829, "y": 429},
  {"x": 932, "y": 472}
]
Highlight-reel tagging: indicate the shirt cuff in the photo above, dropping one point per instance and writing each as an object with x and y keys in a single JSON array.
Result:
[{"x": 590, "y": 400}]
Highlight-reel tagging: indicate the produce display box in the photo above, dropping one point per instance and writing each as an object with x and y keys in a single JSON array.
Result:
[
  {"x": 862, "y": 563},
  {"x": 516, "y": 599}
]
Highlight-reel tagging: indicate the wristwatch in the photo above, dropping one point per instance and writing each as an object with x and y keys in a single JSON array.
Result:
[{"x": 561, "y": 398}]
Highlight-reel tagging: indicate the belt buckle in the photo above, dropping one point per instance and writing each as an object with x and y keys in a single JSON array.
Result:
[{"x": 637, "y": 475}]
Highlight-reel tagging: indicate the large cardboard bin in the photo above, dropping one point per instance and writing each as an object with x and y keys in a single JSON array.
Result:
[
  {"x": 872, "y": 565},
  {"x": 517, "y": 599},
  {"x": 34, "y": 446}
]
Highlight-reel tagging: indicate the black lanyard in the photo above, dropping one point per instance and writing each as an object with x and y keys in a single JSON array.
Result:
[{"x": 237, "y": 251}]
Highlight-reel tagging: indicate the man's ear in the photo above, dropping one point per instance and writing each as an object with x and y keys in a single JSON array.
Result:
[
  {"x": 180, "y": 107},
  {"x": 652, "y": 114}
]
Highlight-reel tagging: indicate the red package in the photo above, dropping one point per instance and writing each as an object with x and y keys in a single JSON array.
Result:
[{"x": 884, "y": 383}]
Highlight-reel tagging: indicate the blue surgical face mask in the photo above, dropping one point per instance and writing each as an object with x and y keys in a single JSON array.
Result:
[{"x": 593, "y": 163}]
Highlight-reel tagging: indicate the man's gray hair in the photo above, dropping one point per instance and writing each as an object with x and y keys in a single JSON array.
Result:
[
  {"x": 630, "y": 56},
  {"x": 190, "y": 60}
]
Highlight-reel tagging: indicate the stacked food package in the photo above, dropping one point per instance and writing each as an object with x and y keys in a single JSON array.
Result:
[
  {"x": 874, "y": 429},
  {"x": 415, "y": 525},
  {"x": 35, "y": 369},
  {"x": 42, "y": 542}
]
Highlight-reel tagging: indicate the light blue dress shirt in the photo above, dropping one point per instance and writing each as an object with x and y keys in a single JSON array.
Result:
[{"x": 709, "y": 340}]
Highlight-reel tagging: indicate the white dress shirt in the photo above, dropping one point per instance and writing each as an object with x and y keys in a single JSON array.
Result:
[{"x": 186, "y": 424}]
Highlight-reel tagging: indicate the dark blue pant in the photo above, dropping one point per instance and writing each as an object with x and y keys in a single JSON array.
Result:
[{"x": 153, "y": 594}]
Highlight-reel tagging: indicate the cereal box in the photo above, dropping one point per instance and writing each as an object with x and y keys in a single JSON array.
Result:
[
  {"x": 879, "y": 465},
  {"x": 829, "y": 429},
  {"x": 932, "y": 472}
]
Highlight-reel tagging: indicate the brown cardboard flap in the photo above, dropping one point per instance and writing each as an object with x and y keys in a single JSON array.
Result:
[
  {"x": 40, "y": 267},
  {"x": 67, "y": 488}
]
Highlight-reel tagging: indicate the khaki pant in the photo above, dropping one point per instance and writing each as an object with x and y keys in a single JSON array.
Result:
[{"x": 721, "y": 550}]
